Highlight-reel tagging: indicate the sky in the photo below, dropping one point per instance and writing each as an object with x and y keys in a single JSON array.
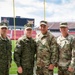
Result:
[{"x": 56, "y": 10}]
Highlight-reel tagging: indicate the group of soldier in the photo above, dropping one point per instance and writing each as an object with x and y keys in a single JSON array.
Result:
[{"x": 47, "y": 50}]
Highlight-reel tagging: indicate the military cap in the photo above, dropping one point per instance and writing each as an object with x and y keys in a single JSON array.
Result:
[
  {"x": 64, "y": 24},
  {"x": 3, "y": 25},
  {"x": 43, "y": 22},
  {"x": 28, "y": 26}
]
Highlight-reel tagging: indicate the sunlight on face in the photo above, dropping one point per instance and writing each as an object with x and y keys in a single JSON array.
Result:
[
  {"x": 43, "y": 28},
  {"x": 28, "y": 32},
  {"x": 64, "y": 30},
  {"x": 3, "y": 31}
]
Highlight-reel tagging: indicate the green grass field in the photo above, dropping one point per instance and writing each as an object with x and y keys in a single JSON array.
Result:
[{"x": 13, "y": 69}]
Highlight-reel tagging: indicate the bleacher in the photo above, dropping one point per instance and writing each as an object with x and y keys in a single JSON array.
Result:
[{"x": 15, "y": 34}]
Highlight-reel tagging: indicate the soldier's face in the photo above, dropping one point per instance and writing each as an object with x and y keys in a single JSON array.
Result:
[
  {"x": 43, "y": 29},
  {"x": 64, "y": 30},
  {"x": 28, "y": 32},
  {"x": 3, "y": 31}
]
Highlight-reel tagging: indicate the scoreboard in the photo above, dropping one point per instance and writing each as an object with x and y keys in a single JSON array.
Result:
[{"x": 18, "y": 21}]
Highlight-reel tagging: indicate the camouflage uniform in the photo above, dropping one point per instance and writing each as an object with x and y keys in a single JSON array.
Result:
[
  {"x": 47, "y": 53},
  {"x": 24, "y": 54},
  {"x": 5, "y": 55},
  {"x": 66, "y": 54}
]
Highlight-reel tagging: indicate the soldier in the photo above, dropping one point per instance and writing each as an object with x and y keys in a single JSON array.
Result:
[
  {"x": 24, "y": 52},
  {"x": 66, "y": 44},
  {"x": 47, "y": 53},
  {"x": 5, "y": 50}
]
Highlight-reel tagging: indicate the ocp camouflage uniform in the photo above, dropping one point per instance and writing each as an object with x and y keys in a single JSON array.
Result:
[
  {"x": 66, "y": 54},
  {"x": 47, "y": 53},
  {"x": 24, "y": 54},
  {"x": 5, "y": 55}
]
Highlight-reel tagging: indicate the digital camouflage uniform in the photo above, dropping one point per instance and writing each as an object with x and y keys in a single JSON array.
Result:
[
  {"x": 47, "y": 53},
  {"x": 5, "y": 55},
  {"x": 66, "y": 54},
  {"x": 24, "y": 54}
]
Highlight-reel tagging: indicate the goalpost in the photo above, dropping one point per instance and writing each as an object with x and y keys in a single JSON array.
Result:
[
  {"x": 44, "y": 3},
  {"x": 14, "y": 22},
  {"x": 44, "y": 9}
]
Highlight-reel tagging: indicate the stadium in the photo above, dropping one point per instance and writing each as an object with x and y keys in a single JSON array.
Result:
[
  {"x": 16, "y": 23},
  {"x": 14, "y": 34},
  {"x": 20, "y": 22}
]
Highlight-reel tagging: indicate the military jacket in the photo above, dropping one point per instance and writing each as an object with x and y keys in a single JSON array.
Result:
[
  {"x": 5, "y": 51},
  {"x": 24, "y": 52},
  {"x": 66, "y": 51},
  {"x": 47, "y": 52}
]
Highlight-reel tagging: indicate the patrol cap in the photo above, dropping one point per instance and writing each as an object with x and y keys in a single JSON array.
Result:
[
  {"x": 3, "y": 25},
  {"x": 64, "y": 24},
  {"x": 43, "y": 22},
  {"x": 28, "y": 26}
]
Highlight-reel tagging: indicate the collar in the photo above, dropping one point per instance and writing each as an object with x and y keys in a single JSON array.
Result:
[
  {"x": 65, "y": 37},
  {"x": 27, "y": 38},
  {"x": 3, "y": 38},
  {"x": 44, "y": 35}
]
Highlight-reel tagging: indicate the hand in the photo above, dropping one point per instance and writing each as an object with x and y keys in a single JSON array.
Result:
[
  {"x": 56, "y": 65},
  {"x": 51, "y": 67},
  {"x": 10, "y": 66},
  {"x": 70, "y": 69},
  {"x": 20, "y": 69}
]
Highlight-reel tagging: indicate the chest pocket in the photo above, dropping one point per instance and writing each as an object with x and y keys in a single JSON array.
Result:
[
  {"x": 9, "y": 46},
  {"x": 29, "y": 45},
  {"x": 26, "y": 44},
  {"x": 2, "y": 50},
  {"x": 66, "y": 49},
  {"x": 67, "y": 44},
  {"x": 1, "y": 46},
  {"x": 43, "y": 44}
]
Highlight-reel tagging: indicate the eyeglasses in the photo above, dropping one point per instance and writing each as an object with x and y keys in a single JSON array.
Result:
[
  {"x": 4, "y": 28},
  {"x": 29, "y": 29}
]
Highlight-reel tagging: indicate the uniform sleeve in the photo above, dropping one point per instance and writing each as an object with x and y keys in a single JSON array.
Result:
[
  {"x": 35, "y": 50},
  {"x": 35, "y": 47},
  {"x": 17, "y": 52},
  {"x": 10, "y": 51},
  {"x": 72, "y": 64},
  {"x": 54, "y": 51}
]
